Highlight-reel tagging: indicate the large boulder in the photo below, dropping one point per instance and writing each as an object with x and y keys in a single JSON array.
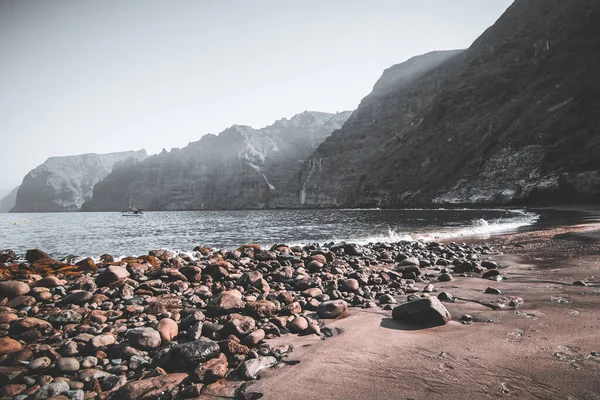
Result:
[
  {"x": 34, "y": 255},
  {"x": 425, "y": 312}
]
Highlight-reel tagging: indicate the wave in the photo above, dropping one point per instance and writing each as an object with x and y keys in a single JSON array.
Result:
[{"x": 479, "y": 228}]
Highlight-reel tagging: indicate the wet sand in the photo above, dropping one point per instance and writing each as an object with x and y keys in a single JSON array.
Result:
[{"x": 548, "y": 348}]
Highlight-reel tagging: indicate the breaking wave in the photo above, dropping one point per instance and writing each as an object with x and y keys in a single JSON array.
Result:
[{"x": 478, "y": 228}]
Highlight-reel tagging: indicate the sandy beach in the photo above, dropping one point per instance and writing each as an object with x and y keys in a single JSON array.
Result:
[{"x": 547, "y": 348}]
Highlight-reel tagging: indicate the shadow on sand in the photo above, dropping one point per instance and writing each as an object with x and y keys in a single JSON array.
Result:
[{"x": 390, "y": 323}]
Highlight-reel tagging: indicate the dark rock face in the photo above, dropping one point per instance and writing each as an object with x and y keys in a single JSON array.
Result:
[
  {"x": 240, "y": 168},
  {"x": 511, "y": 119},
  {"x": 65, "y": 183}
]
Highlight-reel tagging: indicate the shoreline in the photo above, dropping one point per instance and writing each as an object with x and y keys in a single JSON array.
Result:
[
  {"x": 546, "y": 348},
  {"x": 359, "y": 353}
]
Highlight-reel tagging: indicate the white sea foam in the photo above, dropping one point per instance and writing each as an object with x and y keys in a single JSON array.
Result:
[{"x": 479, "y": 228}]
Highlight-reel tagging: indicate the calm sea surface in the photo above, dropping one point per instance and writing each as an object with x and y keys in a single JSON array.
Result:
[{"x": 93, "y": 234}]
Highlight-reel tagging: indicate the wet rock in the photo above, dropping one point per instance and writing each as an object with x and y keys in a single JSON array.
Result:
[
  {"x": 87, "y": 264},
  {"x": 31, "y": 324},
  {"x": 491, "y": 290},
  {"x": 297, "y": 325},
  {"x": 262, "y": 309},
  {"x": 445, "y": 277},
  {"x": 489, "y": 265},
  {"x": 34, "y": 255},
  {"x": 10, "y": 374},
  {"x": 249, "y": 369},
  {"x": 168, "y": 329},
  {"x": 387, "y": 299},
  {"x": 12, "y": 390},
  {"x": 150, "y": 389},
  {"x": 9, "y": 346},
  {"x": 211, "y": 370},
  {"x": 51, "y": 390},
  {"x": 144, "y": 338},
  {"x": 240, "y": 325},
  {"x": 13, "y": 289},
  {"x": 254, "y": 338},
  {"x": 492, "y": 273},
  {"x": 410, "y": 261},
  {"x": 425, "y": 312},
  {"x": 445, "y": 296},
  {"x": 112, "y": 274},
  {"x": 193, "y": 353},
  {"x": 78, "y": 297},
  {"x": 6, "y": 317},
  {"x": 332, "y": 308}
]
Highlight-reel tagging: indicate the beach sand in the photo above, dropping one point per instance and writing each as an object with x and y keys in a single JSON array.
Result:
[{"x": 547, "y": 348}]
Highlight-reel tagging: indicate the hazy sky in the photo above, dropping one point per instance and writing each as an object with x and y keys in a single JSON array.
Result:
[{"x": 83, "y": 76}]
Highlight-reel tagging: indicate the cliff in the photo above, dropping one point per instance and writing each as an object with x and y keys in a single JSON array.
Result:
[
  {"x": 241, "y": 168},
  {"x": 65, "y": 183},
  {"x": 513, "y": 119},
  {"x": 9, "y": 201}
]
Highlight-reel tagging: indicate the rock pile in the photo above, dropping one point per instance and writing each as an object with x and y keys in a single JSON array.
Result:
[{"x": 180, "y": 325}]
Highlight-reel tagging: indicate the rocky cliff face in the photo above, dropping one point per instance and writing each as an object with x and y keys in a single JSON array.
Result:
[
  {"x": 65, "y": 183},
  {"x": 511, "y": 119},
  {"x": 9, "y": 201},
  {"x": 241, "y": 168}
]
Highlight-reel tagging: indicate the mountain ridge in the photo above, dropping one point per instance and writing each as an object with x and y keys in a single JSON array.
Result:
[
  {"x": 239, "y": 168},
  {"x": 487, "y": 126},
  {"x": 63, "y": 183}
]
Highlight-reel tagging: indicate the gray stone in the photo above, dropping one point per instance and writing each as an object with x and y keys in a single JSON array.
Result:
[
  {"x": 426, "y": 312},
  {"x": 144, "y": 338}
]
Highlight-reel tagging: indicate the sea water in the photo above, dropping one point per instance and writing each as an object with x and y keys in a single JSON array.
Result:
[{"x": 93, "y": 234}]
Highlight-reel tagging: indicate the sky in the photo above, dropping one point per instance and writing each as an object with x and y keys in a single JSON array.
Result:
[{"x": 100, "y": 76}]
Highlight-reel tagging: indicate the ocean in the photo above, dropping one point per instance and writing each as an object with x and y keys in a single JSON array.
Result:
[{"x": 94, "y": 234}]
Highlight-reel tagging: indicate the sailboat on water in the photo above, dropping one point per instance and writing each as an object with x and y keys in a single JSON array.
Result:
[{"x": 132, "y": 211}]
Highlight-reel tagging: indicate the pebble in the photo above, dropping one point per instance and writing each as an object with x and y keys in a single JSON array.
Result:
[
  {"x": 12, "y": 289},
  {"x": 142, "y": 324},
  {"x": 168, "y": 329},
  {"x": 67, "y": 364}
]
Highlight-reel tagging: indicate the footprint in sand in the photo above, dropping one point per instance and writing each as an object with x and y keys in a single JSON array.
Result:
[
  {"x": 515, "y": 336},
  {"x": 569, "y": 354},
  {"x": 525, "y": 314},
  {"x": 560, "y": 300}
]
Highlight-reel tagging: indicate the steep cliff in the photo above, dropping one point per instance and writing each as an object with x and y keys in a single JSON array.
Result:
[
  {"x": 9, "y": 201},
  {"x": 64, "y": 183},
  {"x": 514, "y": 118},
  {"x": 241, "y": 168}
]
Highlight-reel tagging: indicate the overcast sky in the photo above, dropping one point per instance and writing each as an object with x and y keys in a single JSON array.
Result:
[{"x": 110, "y": 75}]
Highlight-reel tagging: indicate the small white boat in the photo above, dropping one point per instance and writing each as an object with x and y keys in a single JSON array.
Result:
[{"x": 132, "y": 211}]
